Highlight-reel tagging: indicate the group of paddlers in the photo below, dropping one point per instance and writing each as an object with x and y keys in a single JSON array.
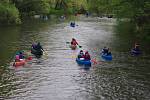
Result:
[
  {"x": 22, "y": 55},
  {"x": 84, "y": 56},
  {"x": 105, "y": 51},
  {"x": 81, "y": 55}
]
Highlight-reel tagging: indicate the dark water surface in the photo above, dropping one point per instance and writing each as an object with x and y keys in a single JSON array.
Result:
[{"x": 56, "y": 76}]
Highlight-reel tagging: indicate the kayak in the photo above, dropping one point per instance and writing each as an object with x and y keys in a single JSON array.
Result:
[
  {"x": 83, "y": 62},
  {"x": 19, "y": 63},
  {"x": 106, "y": 57},
  {"x": 21, "y": 58},
  {"x": 22, "y": 62},
  {"x": 36, "y": 52},
  {"x": 135, "y": 52},
  {"x": 73, "y": 47}
]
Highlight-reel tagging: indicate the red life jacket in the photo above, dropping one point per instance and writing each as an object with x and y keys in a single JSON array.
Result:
[
  {"x": 74, "y": 42},
  {"x": 87, "y": 57}
]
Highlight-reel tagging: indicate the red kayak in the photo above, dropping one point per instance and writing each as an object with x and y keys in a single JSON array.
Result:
[
  {"x": 19, "y": 63},
  {"x": 22, "y": 62}
]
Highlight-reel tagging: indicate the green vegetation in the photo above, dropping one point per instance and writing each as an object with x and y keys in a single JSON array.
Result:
[
  {"x": 9, "y": 14},
  {"x": 12, "y": 10},
  {"x": 32, "y": 7},
  {"x": 100, "y": 7},
  {"x": 136, "y": 12}
]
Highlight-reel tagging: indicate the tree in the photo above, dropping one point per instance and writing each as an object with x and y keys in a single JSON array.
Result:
[
  {"x": 32, "y": 7},
  {"x": 9, "y": 14}
]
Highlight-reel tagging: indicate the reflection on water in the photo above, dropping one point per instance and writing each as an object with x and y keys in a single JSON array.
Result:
[{"x": 57, "y": 76}]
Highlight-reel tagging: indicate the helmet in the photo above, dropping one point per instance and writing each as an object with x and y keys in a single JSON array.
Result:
[{"x": 81, "y": 50}]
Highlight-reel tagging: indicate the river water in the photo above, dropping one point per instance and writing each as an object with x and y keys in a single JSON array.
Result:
[{"x": 56, "y": 76}]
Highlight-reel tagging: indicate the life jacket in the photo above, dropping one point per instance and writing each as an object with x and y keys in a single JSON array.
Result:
[
  {"x": 21, "y": 56},
  {"x": 17, "y": 57},
  {"x": 74, "y": 42},
  {"x": 87, "y": 56},
  {"x": 81, "y": 55}
]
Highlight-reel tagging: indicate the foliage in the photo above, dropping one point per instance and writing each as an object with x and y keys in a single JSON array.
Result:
[
  {"x": 32, "y": 7},
  {"x": 11, "y": 9},
  {"x": 138, "y": 13},
  {"x": 9, "y": 14},
  {"x": 101, "y": 6},
  {"x": 135, "y": 11}
]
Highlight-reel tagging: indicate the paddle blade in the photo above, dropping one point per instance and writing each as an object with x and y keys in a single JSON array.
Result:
[
  {"x": 29, "y": 58},
  {"x": 67, "y": 42},
  {"x": 80, "y": 46}
]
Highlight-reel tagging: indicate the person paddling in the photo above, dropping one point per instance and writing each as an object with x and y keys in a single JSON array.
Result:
[
  {"x": 109, "y": 52},
  {"x": 72, "y": 24},
  {"x": 37, "y": 50},
  {"x": 137, "y": 47},
  {"x": 74, "y": 42},
  {"x": 38, "y": 47},
  {"x": 87, "y": 56},
  {"x": 81, "y": 55},
  {"x": 21, "y": 55},
  {"x": 105, "y": 50}
]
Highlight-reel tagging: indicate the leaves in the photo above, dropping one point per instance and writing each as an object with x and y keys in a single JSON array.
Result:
[{"x": 9, "y": 14}]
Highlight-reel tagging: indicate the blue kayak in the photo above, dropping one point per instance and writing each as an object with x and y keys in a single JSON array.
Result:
[
  {"x": 135, "y": 52},
  {"x": 106, "y": 57},
  {"x": 83, "y": 62}
]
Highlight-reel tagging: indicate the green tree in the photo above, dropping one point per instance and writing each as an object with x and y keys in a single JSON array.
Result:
[
  {"x": 9, "y": 14},
  {"x": 32, "y": 7}
]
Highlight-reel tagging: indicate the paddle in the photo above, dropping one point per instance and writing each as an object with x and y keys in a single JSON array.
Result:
[
  {"x": 44, "y": 51},
  {"x": 45, "y": 54},
  {"x": 95, "y": 62},
  {"x": 67, "y": 42},
  {"x": 78, "y": 44}
]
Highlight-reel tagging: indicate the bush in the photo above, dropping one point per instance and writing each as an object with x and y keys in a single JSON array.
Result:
[
  {"x": 9, "y": 14},
  {"x": 61, "y": 12}
]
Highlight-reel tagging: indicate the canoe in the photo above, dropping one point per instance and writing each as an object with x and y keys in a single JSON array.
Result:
[
  {"x": 106, "y": 57},
  {"x": 135, "y": 52},
  {"x": 19, "y": 63},
  {"x": 73, "y": 47},
  {"x": 22, "y": 62},
  {"x": 36, "y": 52},
  {"x": 83, "y": 62}
]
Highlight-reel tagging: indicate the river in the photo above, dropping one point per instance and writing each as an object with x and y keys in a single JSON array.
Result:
[{"x": 56, "y": 76}]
